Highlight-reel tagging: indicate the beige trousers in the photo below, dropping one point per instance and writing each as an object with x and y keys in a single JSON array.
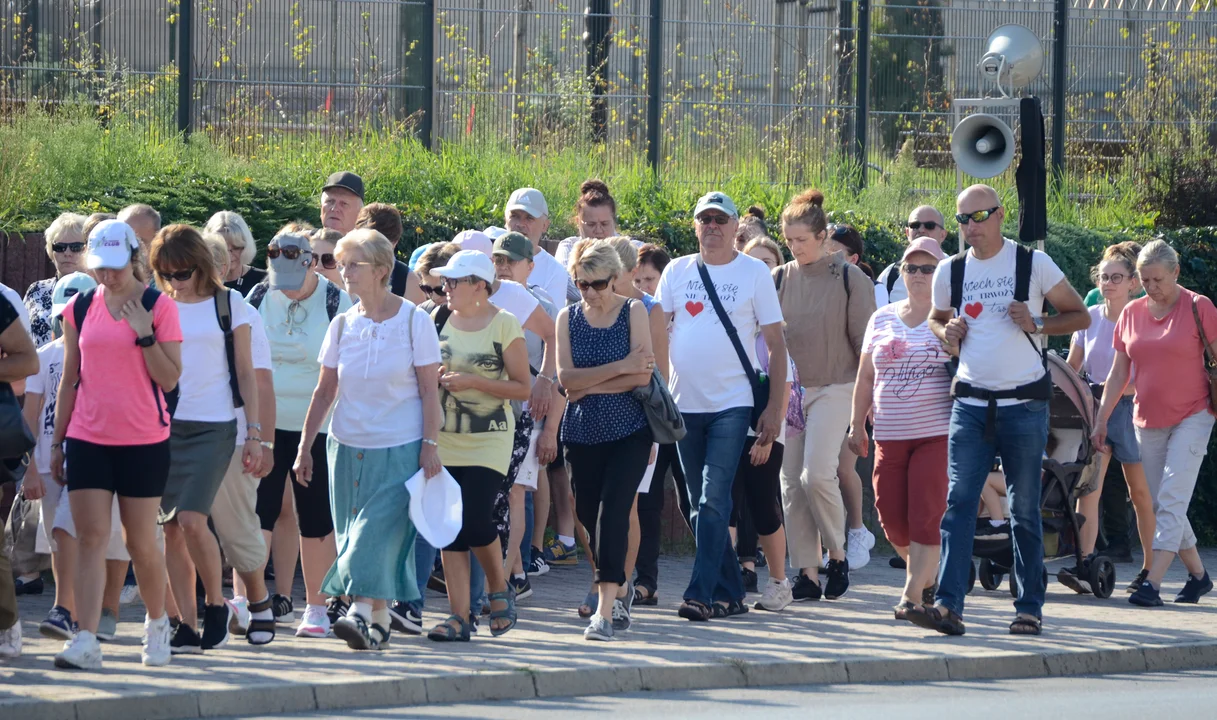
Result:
[
  {"x": 235, "y": 516},
  {"x": 811, "y": 495}
]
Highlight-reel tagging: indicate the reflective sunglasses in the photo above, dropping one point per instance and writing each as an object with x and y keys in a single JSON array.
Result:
[
  {"x": 1114, "y": 278},
  {"x": 979, "y": 216},
  {"x": 914, "y": 269},
  {"x": 291, "y": 252},
  {"x": 437, "y": 290},
  {"x": 328, "y": 261},
  {"x": 928, "y": 225},
  {"x": 75, "y": 247},
  {"x": 716, "y": 219},
  {"x": 597, "y": 285},
  {"x": 179, "y": 276}
]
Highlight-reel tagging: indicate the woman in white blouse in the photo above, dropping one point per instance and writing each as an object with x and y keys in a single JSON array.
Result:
[{"x": 384, "y": 427}]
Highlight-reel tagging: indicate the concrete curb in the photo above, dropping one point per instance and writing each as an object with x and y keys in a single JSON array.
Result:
[{"x": 527, "y": 683}]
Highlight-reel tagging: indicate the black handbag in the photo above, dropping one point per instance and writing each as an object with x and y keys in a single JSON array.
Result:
[
  {"x": 16, "y": 439},
  {"x": 758, "y": 381}
]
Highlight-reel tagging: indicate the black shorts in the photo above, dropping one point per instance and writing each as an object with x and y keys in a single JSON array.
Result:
[
  {"x": 313, "y": 514},
  {"x": 138, "y": 471},
  {"x": 479, "y": 488},
  {"x": 559, "y": 461}
]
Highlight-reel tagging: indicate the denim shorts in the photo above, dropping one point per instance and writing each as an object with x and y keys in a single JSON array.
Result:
[{"x": 1121, "y": 435}]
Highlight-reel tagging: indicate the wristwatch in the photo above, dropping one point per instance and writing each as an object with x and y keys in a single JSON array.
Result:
[
  {"x": 148, "y": 341},
  {"x": 268, "y": 445},
  {"x": 1039, "y": 325}
]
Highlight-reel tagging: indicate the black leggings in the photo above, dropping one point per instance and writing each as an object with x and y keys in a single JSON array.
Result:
[
  {"x": 312, "y": 502},
  {"x": 606, "y": 477},
  {"x": 479, "y": 488},
  {"x": 759, "y": 488},
  {"x": 650, "y": 514}
]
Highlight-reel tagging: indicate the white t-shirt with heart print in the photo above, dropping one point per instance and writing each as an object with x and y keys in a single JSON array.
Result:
[
  {"x": 996, "y": 354},
  {"x": 706, "y": 372}
]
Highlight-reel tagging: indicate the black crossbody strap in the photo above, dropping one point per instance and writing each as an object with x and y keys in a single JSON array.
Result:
[{"x": 726, "y": 321}]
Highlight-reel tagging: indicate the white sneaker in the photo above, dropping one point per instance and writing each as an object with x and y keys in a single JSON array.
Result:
[
  {"x": 10, "y": 642},
  {"x": 777, "y": 595},
  {"x": 82, "y": 652},
  {"x": 315, "y": 623},
  {"x": 238, "y": 621},
  {"x": 156, "y": 642},
  {"x": 858, "y": 544},
  {"x": 129, "y": 595}
]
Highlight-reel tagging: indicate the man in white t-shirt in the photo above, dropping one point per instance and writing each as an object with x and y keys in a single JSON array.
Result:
[
  {"x": 1001, "y": 392},
  {"x": 924, "y": 221},
  {"x": 528, "y": 214},
  {"x": 714, "y": 391}
]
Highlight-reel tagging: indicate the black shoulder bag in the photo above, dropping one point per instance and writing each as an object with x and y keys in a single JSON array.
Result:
[{"x": 758, "y": 381}]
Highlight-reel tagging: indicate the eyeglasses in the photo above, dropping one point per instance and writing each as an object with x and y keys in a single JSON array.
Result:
[
  {"x": 328, "y": 261},
  {"x": 978, "y": 217},
  {"x": 597, "y": 285},
  {"x": 297, "y": 315},
  {"x": 928, "y": 225},
  {"x": 179, "y": 276},
  {"x": 437, "y": 290},
  {"x": 75, "y": 247},
  {"x": 343, "y": 267},
  {"x": 1114, "y": 279},
  {"x": 914, "y": 269},
  {"x": 450, "y": 283},
  {"x": 716, "y": 218},
  {"x": 290, "y": 252}
]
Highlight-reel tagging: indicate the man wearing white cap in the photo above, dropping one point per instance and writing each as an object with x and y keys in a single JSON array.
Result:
[
  {"x": 527, "y": 213},
  {"x": 714, "y": 381}
]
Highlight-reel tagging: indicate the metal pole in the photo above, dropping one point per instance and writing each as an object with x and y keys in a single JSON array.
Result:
[
  {"x": 654, "y": 85},
  {"x": 597, "y": 37},
  {"x": 845, "y": 65},
  {"x": 1060, "y": 65},
  {"x": 185, "y": 67},
  {"x": 863, "y": 89},
  {"x": 426, "y": 61}
]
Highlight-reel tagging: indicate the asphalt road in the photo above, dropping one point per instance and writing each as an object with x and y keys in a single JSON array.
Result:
[{"x": 1185, "y": 696}]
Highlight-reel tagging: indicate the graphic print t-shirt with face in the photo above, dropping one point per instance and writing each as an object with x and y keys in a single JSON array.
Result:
[
  {"x": 478, "y": 428},
  {"x": 706, "y": 372},
  {"x": 996, "y": 354}
]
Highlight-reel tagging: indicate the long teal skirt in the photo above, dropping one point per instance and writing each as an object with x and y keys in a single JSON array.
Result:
[{"x": 372, "y": 525}]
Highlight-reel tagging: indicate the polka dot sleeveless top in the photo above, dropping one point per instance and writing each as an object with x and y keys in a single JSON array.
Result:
[{"x": 600, "y": 418}]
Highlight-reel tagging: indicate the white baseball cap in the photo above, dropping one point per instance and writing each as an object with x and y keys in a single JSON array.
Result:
[
  {"x": 68, "y": 287},
  {"x": 530, "y": 200},
  {"x": 111, "y": 245},
  {"x": 468, "y": 263},
  {"x": 716, "y": 201},
  {"x": 494, "y": 232},
  {"x": 474, "y": 240},
  {"x": 435, "y": 507}
]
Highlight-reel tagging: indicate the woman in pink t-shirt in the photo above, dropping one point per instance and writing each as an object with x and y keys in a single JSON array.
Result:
[
  {"x": 1157, "y": 338},
  {"x": 112, "y": 412},
  {"x": 903, "y": 374}
]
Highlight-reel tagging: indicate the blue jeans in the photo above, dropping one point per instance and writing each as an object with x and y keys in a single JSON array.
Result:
[
  {"x": 424, "y": 564},
  {"x": 709, "y": 454},
  {"x": 526, "y": 541},
  {"x": 1022, "y": 433}
]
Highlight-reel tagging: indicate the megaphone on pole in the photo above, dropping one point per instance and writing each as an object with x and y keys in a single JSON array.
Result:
[{"x": 982, "y": 145}]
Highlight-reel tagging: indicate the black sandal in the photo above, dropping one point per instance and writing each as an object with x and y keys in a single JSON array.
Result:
[
  {"x": 260, "y": 626},
  {"x": 932, "y": 618},
  {"x": 1026, "y": 626},
  {"x": 695, "y": 610},
  {"x": 447, "y": 632},
  {"x": 731, "y": 609},
  {"x": 902, "y": 609},
  {"x": 650, "y": 598}
]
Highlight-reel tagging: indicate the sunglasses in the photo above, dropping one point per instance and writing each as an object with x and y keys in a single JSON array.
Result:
[
  {"x": 1114, "y": 279},
  {"x": 437, "y": 290},
  {"x": 928, "y": 225},
  {"x": 914, "y": 269},
  {"x": 715, "y": 219},
  {"x": 453, "y": 282},
  {"x": 328, "y": 261},
  {"x": 978, "y": 217},
  {"x": 597, "y": 285},
  {"x": 75, "y": 247},
  {"x": 179, "y": 276},
  {"x": 291, "y": 253}
]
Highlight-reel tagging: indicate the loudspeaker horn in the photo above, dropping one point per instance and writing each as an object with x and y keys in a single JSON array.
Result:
[
  {"x": 1014, "y": 58},
  {"x": 982, "y": 145}
]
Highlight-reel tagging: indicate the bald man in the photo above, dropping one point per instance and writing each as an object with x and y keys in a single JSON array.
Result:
[
  {"x": 1001, "y": 392},
  {"x": 924, "y": 221}
]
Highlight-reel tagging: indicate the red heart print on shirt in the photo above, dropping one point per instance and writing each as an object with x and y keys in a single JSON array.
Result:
[
  {"x": 973, "y": 309},
  {"x": 694, "y": 308}
]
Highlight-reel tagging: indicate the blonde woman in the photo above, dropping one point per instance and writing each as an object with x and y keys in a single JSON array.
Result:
[
  {"x": 241, "y": 276},
  {"x": 65, "y": 246}
]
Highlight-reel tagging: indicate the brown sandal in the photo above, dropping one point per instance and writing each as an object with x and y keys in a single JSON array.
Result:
[{"x": 932, "y": 618}]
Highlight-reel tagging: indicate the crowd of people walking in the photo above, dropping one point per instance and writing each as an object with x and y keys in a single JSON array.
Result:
[{"x": 191, "y": 412}]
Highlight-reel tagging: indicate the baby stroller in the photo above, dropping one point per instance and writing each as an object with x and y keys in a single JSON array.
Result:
[{"x": 1070, "y": 471}]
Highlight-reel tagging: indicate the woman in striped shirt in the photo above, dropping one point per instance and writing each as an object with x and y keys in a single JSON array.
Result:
[{"x": 903, "y": 374}]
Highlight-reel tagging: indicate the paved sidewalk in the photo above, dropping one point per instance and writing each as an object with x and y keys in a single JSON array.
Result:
[{"x": 854, "y": 639}]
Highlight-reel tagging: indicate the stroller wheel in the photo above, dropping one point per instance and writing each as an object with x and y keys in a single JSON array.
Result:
[
  {"x": 971, "y": 577},
  {"x": 989, "y": 580},
  {"x": 1102, "y": 576}
]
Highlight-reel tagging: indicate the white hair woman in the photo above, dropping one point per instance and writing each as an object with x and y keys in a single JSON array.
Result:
[
  {"x": 65, "y": 246},
  {"x": 1163, "y": 338},
  {"x": 241, "y": 276},
  {"x": 383, "y": 429}
]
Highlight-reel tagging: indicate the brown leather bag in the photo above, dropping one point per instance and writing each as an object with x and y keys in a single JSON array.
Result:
[{"x": 1210, "y": 363}]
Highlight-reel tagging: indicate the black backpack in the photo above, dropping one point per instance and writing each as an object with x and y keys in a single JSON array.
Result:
[
  {"x": 893, "y": 274},
  {"x": 333, "y": 296},
  {"x": 1022, "y": 285}
]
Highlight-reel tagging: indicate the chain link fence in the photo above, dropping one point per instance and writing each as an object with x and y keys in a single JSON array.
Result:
[{"x": 787, "y": 91}]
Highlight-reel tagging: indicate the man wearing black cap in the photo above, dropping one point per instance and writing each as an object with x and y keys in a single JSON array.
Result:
[{"x": 341, "y": 201}]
